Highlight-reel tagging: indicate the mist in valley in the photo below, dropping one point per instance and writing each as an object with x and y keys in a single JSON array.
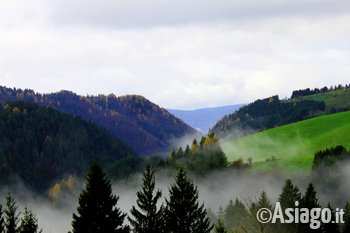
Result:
[{"x": 215, "y": 190}]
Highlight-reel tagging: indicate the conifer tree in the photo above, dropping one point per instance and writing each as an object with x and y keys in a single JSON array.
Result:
[
  {"x": 220, "y": 227},
  {"x": 11, "y": 215},
  {"x": 2, "y": 221},
  {"x": 310, "y": 201},
  {"x": 98, "y": 211},
  {"x": 263, "y": 202},
  {"x": 147, "y": 218},
  {"x": 29, "y": 222},
  {"x": 331, "y": 227},
  {"x": 290, "y": 194},
  {"x": 183, "y": 212}
]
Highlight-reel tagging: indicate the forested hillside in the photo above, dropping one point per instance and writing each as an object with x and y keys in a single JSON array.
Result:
[
  {"x": 39, "y": 145},
  {"x": 267, "y": 113},
  {"x": 271, "y": 112},
  {"x": 145, "y": 126}
]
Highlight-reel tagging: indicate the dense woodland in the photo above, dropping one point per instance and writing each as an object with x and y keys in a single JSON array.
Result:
[
  {"x": 39, "y": 145},
  {"x": 266, "y": 113},
  {"x": 145, "y": 126},
  {"x": 98, "y": 210}
]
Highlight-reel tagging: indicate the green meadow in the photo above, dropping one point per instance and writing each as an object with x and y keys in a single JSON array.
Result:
[{"x": 291, "y": 148}]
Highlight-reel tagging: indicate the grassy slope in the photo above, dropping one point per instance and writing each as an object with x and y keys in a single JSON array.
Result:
[
  {"x": 333, "y": 99},
  {"x": 292, "y": 145}
]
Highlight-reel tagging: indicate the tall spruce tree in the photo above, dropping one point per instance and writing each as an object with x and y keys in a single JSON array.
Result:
[
  {"x": 147, "y": 218},
  {"x": 220, "y": 227},
  {"x": 29, "y": 222},
  {"x": 2, "y": 220},
  {"x": 183, "y": 212},
  {"x": 11, "y": 215},
  {"x": 290, "y": 194},
  {"x": 309, "y": 201},
  {"x": 262, "y": 203},
  {"x": 331, "y": 227},
  {"x": 98, "y": 211}
]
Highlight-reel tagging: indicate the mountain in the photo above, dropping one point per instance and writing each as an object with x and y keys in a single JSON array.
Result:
[
  {"x": 273, "y": 112},
  {"x": 40, "y": 145},
  {"x": 145, "y": 126},
  {"x": 291, "y": 147},
  {"x": 205, "y": 118}
]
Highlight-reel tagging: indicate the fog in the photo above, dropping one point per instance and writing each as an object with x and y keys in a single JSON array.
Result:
[{"x": 215, "y": 190}]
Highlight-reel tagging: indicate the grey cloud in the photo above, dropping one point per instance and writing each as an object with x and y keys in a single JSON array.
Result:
[{"x": 142, "y": 13}]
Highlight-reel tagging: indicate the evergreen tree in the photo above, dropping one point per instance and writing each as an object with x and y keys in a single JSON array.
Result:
[
  {"x": 11, "y": 215},
  {"x": 235, "y": 213},
  {"x": 98, "y": 211},
  {"x": 290, "y": 194},
  {"x": 309, "y": 201},
  {"x": 263, "y": 202},
  {"x": 183, "y": 212},
  {"x": 2, "y": 220},
  {"x": 347, "y": 218},
  {"x": 148, "y": 219},
  {"x": 331, "y": 227},
  {"x": 29, "y": 223},
  {"x": 220, "y": 227}
]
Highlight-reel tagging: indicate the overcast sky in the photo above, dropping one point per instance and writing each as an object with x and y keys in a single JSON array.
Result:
[{"x": 178, "y": 53}]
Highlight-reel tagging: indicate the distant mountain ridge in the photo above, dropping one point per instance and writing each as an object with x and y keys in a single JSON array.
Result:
[
  {"x": 145, "y": 126},
  {"x": 204, "y": 118}
]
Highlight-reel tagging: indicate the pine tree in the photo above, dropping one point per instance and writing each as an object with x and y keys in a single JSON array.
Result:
[
  {"x": 148, "y": 219},
  {"x": 183, "y": 212},
  {"x": 310, "y": 201},
  {"x": 235, "y": 213},
  {"x": 220, "y": 227},
  {"x": 331, "y": 227},
  {"x": 2, "y": 220},
  {"x": 98, "y": 211},
  {"x": 11, "y": 215},
  {"x": 262, "y": 203},
  {"x": 290, "y": 194},
  {"x": 29, "y": 223}
]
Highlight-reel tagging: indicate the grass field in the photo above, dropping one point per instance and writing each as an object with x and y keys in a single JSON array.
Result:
[
  {"x": 293, "y": 146},
  {"x": 333, "y": 99}
]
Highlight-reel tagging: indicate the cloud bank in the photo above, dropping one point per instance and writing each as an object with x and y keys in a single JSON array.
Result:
[{"x": 179, "y": 54}]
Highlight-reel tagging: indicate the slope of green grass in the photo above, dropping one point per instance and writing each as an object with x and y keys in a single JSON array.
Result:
[
  {"x": 334, "y": 99},
  {"x": 293, "y": 146}
]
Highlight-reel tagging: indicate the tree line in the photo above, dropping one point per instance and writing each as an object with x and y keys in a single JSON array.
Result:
[
  {"x": 308, "y": 91},
  {"x": 11, "y": 222},
  {"x": 98, "y": 210},
  {"x": 240, "y": 216},
  {"x": 266, "y": 113}
]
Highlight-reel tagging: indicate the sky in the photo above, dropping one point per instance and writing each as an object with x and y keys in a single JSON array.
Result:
[{"x": 182, "y": 54}]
